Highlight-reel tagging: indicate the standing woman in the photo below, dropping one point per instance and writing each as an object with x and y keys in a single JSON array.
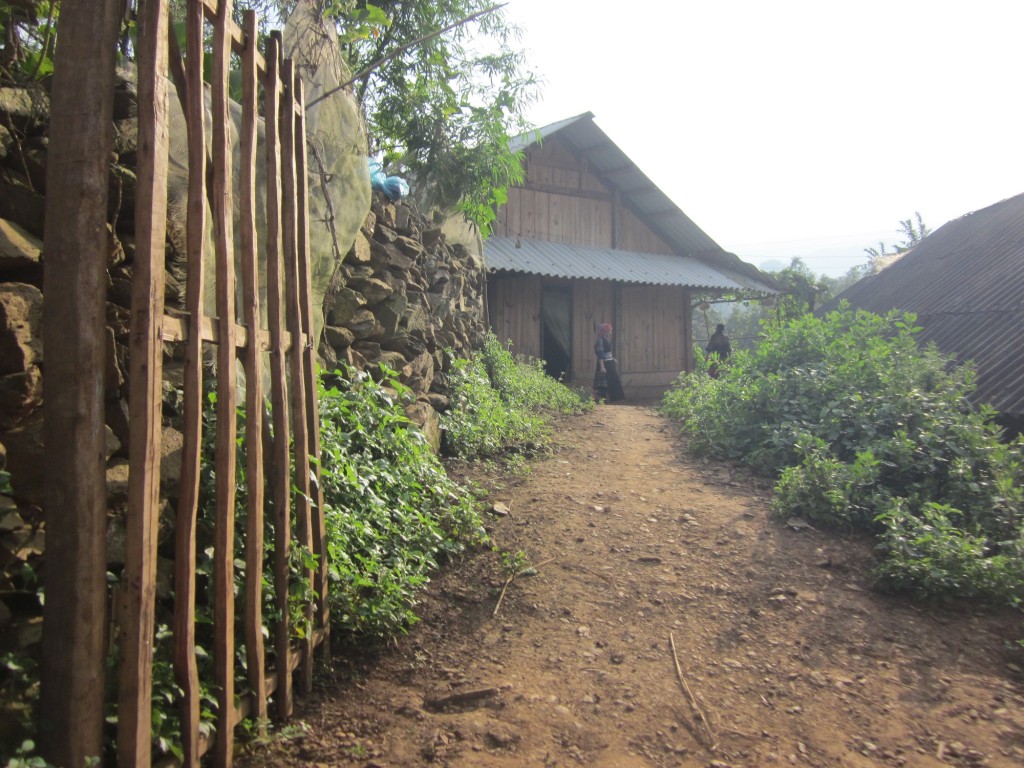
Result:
[{"x": 606, "y": 370}]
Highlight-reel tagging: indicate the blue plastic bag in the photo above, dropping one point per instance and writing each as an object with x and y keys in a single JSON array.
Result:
[
  {"x": 377, "y": 175},
  {"x": 395, "y": 187}
]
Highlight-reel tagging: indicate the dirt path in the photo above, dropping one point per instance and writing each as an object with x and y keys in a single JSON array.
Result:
[{"x": 788, "y": 655}]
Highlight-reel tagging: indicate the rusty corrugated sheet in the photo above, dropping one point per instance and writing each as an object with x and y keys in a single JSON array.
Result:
[
  {"x": 965, "y": 283},
  {"x": 542, "y": 257}
]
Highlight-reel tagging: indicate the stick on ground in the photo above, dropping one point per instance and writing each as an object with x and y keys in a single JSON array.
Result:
[{"x": 701, "y": 720}]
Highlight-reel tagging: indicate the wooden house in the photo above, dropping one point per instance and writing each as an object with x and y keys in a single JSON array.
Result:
[{"x": 588, "y": 238}]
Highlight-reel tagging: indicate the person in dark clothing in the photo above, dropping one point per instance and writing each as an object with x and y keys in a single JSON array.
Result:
[
  {"x": 718, "y": 348},
  {"x": 607, "y": 384}
]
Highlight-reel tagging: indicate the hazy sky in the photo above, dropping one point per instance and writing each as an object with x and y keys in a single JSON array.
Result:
[{"x": 796, "y": 127}]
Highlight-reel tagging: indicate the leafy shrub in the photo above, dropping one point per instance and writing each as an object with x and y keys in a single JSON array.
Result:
[
  {"x": 929, "y": 554},
  {"x": 864, "y": 429},
  {"x": 391, "y": 510},
  {"x": 501, "y": 404}
]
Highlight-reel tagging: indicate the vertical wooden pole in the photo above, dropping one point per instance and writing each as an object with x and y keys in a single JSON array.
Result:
[
  {"x": 318, "y": 531},
  {"x": 227, "y": 419},
  {"x": 81, "y": 137},
  {"x": 687, "y": 306},
  {"x": 185, "y": 668},
  {"x": 289, "y": 192},
  {"x": 254, "y": 652},
  {"x": 281, "y": 479}
]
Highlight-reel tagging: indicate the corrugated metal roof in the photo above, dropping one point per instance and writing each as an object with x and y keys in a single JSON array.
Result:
[
  {"x": 965, "y": 283},
  {"x": 541, "y": 257},
  {"x": 654, "y": 207}
]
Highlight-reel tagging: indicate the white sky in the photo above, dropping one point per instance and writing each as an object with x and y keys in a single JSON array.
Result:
[{"x": 796, "y": 127}]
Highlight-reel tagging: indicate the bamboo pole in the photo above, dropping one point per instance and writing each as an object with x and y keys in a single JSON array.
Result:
[{"x": 74, "y": 339}]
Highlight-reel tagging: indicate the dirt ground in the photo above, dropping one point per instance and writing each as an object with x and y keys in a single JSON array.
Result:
[{"x": 670, "y": 622}]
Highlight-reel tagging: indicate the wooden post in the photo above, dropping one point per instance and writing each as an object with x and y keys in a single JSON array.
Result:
[
  {"x": 227, "y": 421},
  {"x": 145, "y": 376},
  {"x": 81, "y": 137},
  {"x": 185, "y": 667},
  {"x": 281, "y": 479},
  {"x": 318, "y": 533},
  {"x": 289, "y": 193},
  {"x": 254, "y": 652}
]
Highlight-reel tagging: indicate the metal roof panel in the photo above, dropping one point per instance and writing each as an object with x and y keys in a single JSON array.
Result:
[{"x": 542, "y": 257}]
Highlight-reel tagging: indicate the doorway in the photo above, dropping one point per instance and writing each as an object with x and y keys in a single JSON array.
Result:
[{"x": 556, "y": 331}]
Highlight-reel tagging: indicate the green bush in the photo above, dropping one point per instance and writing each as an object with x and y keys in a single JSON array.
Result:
[
  {"x": 391, "y": 510},
  {"x": 928, "y": 552},
  {"x": 856, "y": 421},
  {"x": 501, "y": 404}
]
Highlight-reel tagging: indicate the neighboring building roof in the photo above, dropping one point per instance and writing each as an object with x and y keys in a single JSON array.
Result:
[
  {"x": 647, "y": 201},
  {"x": 965, "y": 283},
  {"x": 540, "y": 257}
]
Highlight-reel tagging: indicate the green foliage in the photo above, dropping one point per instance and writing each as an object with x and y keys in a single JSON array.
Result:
[
  {"x": 864, "y": 430},
  {"x": 929, "y": 552},
  {"x": 445, "y": 107},
  {"x": 500, "y": 404},
  {"x": 28, "y": 32},
  {"x": 913, "y": 230},
  {"x": 391, "y": 511}
]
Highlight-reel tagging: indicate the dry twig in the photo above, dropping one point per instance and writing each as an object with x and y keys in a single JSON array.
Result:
[
  {"x": 709, "y": 734},
  {"x": 512, "y": 577}
]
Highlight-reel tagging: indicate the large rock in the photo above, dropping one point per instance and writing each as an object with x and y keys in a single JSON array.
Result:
[
  {"x": 18, "y": 248},
  {"x": 24, "y": 104},
  {"x": 20, "y": 394},
  {"x": 364, "y": 325},
  {"x": 390, "y": 312},
  {"x": 423, "y": 415},
  {"x": 21, "y": 318},
  {"x": 360, "y": 253},
  {"x": 26, "y": 459},
  {"x": 345, "y": 306},
  {"x": 373, "y": 289},
  {"x": 20, "y": 203}
]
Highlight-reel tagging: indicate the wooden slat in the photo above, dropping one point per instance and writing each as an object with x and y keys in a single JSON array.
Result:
[
  {"x": 318, "y": 533},
  {"x": 281, "y": 479},
  {"x": 145, "y": 374},
  {"x": 235, "y": 33},
  {"x": 186, "y": 672},
  {"x": 227, "y": 420},
  {"x": 289, "y": 192},
  {"x": 71, "y": 720},
  {"x": 254, "y": 651},
  {"x": 176, "y": 328}
]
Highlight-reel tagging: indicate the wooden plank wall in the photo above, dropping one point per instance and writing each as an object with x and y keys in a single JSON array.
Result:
[
  {"x": 515, "y": 312},
  {"x": 592, "y": 302},
  {"x": 651, "y": 342},
  {"x": 562, "y": 201},
  {"x": 634, "y": 235}
]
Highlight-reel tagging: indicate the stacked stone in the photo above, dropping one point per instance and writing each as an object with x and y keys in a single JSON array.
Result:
[{"x": 402, "y": 298}]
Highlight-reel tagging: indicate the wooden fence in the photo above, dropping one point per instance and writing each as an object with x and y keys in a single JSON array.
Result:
[{"x": 276, "y": 436}]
